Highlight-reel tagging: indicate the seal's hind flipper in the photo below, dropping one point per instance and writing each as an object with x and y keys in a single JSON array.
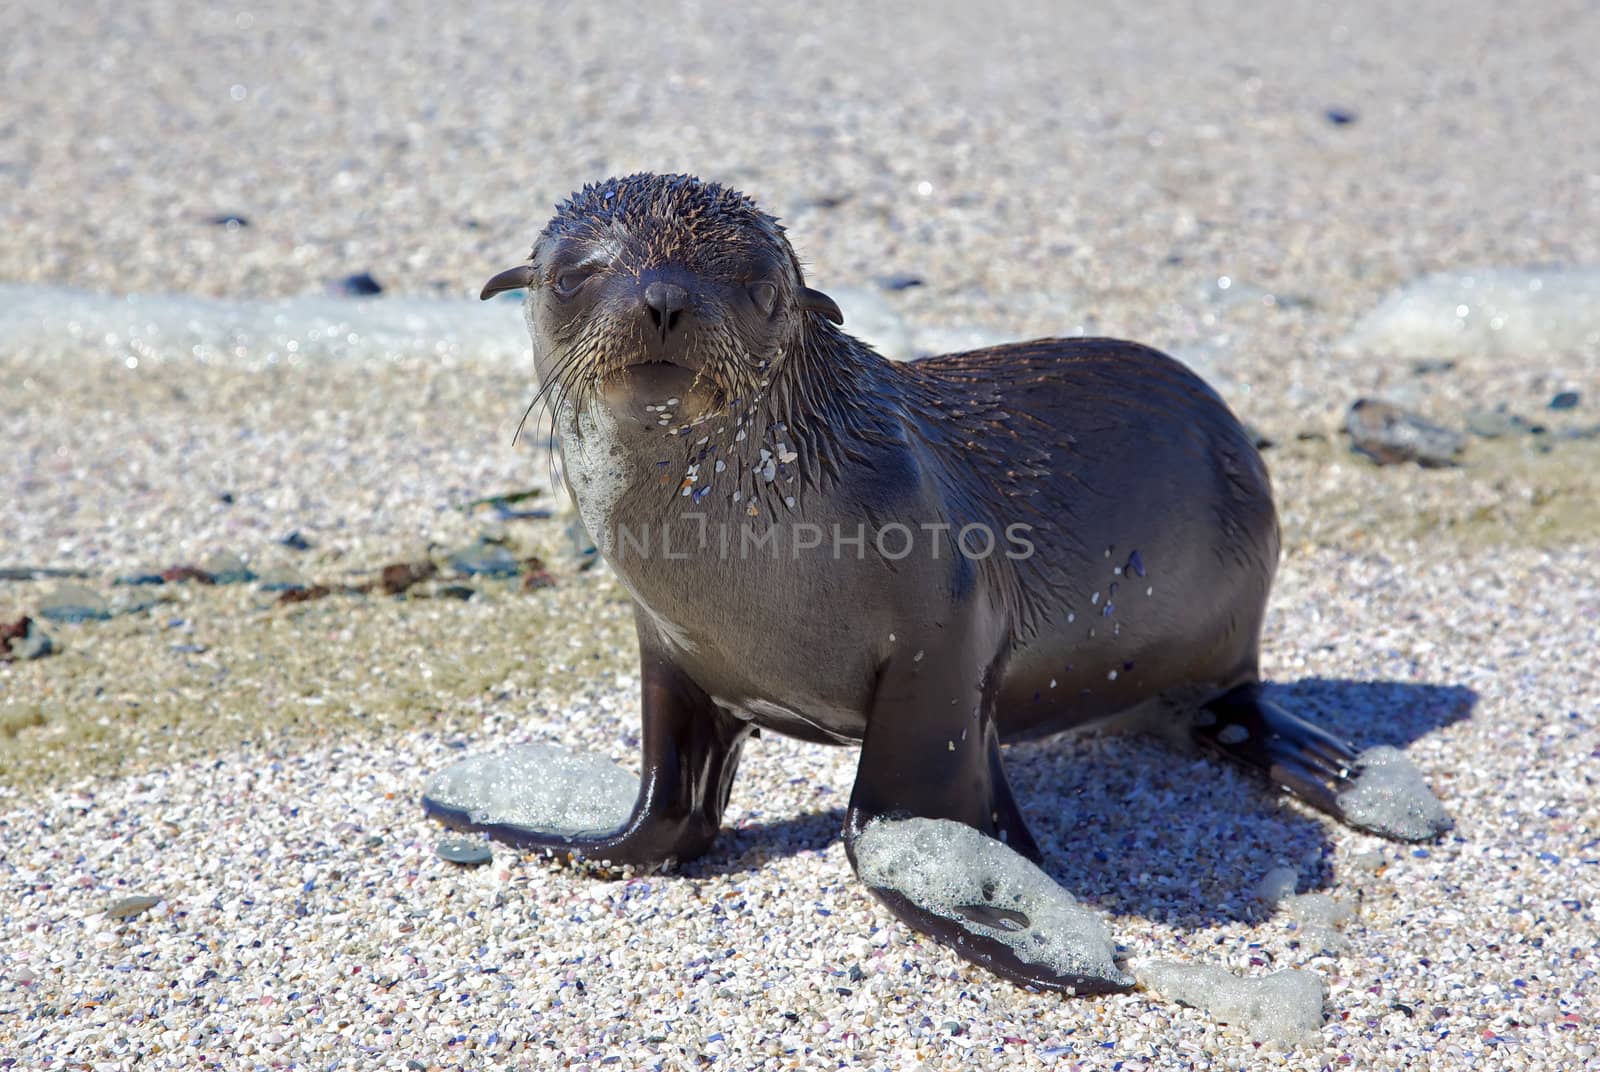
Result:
[
  {"x": 1377, "y": 790},
  {"x": 935, "y": 834},
  {"x": 570, "y": 804}
]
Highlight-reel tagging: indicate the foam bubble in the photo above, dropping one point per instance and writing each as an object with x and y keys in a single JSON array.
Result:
[
  {"x": 1491, "y": 312},
  {"x": 51, "y": 323},
  {"x": 990, "y": 890},
  {"x": 1285, "y": 1006},
  {"x": 542, "y": 787},
  {"x": 1390, "y": 797}
]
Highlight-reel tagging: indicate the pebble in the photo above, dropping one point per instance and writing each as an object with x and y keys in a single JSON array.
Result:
[
  {"x": 24, "y": 640},
  {"x": 1390, "y": 435},
  {"x": 468, "y": 852},
  {"x": 1340, "y": 117},
  {"x": 135, "y": 579},
  {"x": 296, "y": 542},
  {"x": 1565, "y": 400},
  {"x": 130, "y": 907},
  {"x": 359, "y": 285},
  {"x": 74, "y": 603},
  {"x": 397, "y": 577},
  {"x": 231, "y": 220}
]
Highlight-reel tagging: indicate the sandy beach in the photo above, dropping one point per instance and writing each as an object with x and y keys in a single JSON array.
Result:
[{"x": 1245, "y": 189}]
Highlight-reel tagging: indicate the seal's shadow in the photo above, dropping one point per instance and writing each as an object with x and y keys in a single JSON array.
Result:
[{"x": 1135, "y": 826}]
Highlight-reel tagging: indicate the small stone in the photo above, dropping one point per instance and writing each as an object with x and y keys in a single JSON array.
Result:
[
  {"x": 305, "y": 595},
  {"x": 468, "y": 852},
  {"x": 455, "y": 591},
  {"x": 535, "y": 576},
  {"x": 359, "y": 285},
  {"x": 399, "y": 576},
  {"x": 74, "y": 603},
  {"x": 1429, "y": 367},
  {"x": 296, "y": 542},
  {"x": 1390, "y": 435},
  {"x": 1340, "y": 117},
  {"x": 134, "y": 579},
  {"x": 130, "y": 907},
  {"x": 899, "y": 281},
  {"x": 1258, "y": 438},
  {"x": 24, "y": 640},
  {"x": 233, "y": 221},
  {"x": 1565, "y": 400},
  {"x": 175, "y": 574}
]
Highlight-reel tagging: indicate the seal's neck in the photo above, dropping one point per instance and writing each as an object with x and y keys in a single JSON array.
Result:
[{"x": 658, "y": 445}]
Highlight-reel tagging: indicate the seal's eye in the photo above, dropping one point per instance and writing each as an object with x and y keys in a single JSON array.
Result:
[
  {"x": 765, "y": 295},
  {"x": 568, "y": 282}
]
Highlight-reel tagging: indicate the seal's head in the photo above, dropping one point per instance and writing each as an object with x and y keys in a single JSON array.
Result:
[{"x": 654, "y": 278}]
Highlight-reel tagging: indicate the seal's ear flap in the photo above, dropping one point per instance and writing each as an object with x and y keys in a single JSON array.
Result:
[
  {"x": 815, "y": 301},
  {"x": 510, "y": 279}
]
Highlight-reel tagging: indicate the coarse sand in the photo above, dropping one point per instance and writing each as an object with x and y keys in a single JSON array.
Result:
[{"x": 1239, "y": 185}]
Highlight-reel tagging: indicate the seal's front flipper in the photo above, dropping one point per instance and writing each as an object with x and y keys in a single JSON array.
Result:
[
  {"x": 1378, "y": 790},
  {"x": 544, "y": 797},
  {"x": 935, "y": 834}
]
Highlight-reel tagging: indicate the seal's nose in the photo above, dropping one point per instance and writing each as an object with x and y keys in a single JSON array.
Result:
[{"x": 664, "y": 304}]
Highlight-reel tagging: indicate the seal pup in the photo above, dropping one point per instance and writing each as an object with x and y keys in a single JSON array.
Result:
[{"x": 926, "y": 558}]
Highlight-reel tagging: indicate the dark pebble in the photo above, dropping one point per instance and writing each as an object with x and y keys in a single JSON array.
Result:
[
  {"x": 468, "y": 852},
  {"x": 360, "y": 285},
  {"x": 535, "y": 576},
  {"x": 296, "y": 542},
  {"x": 24, "y": 640},
  {"x": 1340, "y": 117},
  {"x": 305, "y": 595},
  {"x": 231, "y": 220},
  {"x": 1565, "y": 400},
  {"x": 398, "y": 576},
  {"x": 225, "y": 498},
  {"x": 1257, "y": 437},
  {"x": 1426, "y": 368},
  {"x": 899, "y": 281},
  {"x": 825, "y": 201},
  {"x": 129, "y": 907},
  {"x": 1390, "y": 435},
  {"x": 34, "y": 573},
  {"x": 456, "y": 591},
  {"x": 139, "y": 578},
  {"x": 187, "y": 573}
]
